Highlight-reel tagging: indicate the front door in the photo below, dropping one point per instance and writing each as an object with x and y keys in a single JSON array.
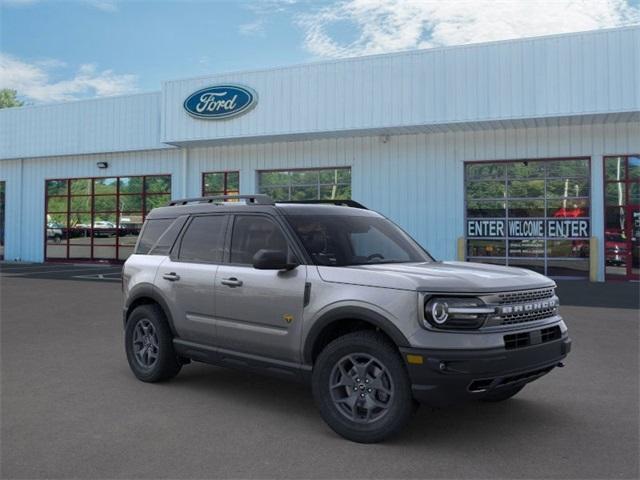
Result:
[
  {"x": 259, "y": 311},
  {"x": 187, "y": 279},
  {"x": 622, "y": 217}
]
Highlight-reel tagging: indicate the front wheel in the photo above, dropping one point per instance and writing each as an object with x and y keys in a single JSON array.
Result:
[
  {"x": 149, "y": 345},
  {"x": 361, "y": 387}
]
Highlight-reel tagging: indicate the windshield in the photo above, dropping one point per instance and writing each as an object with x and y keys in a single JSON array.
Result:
[{"x": 344, "y": 240}]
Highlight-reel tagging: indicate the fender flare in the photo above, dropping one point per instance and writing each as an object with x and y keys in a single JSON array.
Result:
[
  {"x": 147, "y": 290},
  {"x": 351, "y": 313}
]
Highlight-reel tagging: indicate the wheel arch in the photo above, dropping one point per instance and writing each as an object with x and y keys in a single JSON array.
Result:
[
  {"x": 346, "y": 319},
  {"x": 147, "y": 294}
]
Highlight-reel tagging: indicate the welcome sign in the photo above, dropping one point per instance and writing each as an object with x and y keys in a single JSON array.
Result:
[
  {"x": 220, "y": 102},
  {"x": 528, "y": 228}
]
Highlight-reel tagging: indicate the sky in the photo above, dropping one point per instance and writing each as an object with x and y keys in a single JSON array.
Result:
[{"x": 55, "y": 50}]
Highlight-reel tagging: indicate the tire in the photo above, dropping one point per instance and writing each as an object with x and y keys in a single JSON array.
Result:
[
  {"x": 147, "y": 330},
  {"x": 369, "y": 409},
  {"x": 502, "y": 394}
]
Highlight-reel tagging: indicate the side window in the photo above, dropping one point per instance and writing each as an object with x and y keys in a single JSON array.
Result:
[
  {"x": 204, "y": 239},
  {"x": 168, "y": 238},
  {"x": 253, "y": 233},
  {"x": 151, "y": 232}
]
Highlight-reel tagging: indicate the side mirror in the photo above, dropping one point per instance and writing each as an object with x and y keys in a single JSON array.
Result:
[{"x": 272, "y": 260}]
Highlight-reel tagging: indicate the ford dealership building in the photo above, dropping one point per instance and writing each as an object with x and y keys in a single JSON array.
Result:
[{"x": 522, "y": 152}]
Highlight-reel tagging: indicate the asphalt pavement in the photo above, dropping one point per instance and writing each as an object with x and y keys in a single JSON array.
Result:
[{"x": 71, "y": 407}]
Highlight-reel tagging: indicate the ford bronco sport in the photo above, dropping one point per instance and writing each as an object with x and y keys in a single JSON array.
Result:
[{"x": 336, "y": 295}]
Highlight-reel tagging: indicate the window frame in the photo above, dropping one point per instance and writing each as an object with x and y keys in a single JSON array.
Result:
[
  {"x": 505, "y": 259},
  {"x": 91, "y": 212},
  {"x": 318, "y": 185},
  {"x": 226, "y": 190},
  {"x": 176, "y": 249}
]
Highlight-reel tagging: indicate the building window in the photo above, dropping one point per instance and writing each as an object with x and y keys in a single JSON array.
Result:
[
  {"x": 622, "y": 217},
  {"x": 220, "y": 183},
  {"x": 2, "y": 189},
  {"x": 100, "y": 218},
  {"x": 317, "y": 184},
  {"x": 533, "y": 214}
]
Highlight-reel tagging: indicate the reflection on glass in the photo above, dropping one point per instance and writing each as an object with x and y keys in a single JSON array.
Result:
[
  {"x": 634, "y": 168},
  {"x": 80, "y": 186},
  {"x": 57, "y": 204},
  {"x": 526, "y": 169},
  {"x": 615, "y": 168},
  {"x": 485, "y": 171},
  {"x": 486, "y": 248},
  {"x": 155, "y": 201},
  {"x": 526, "y": 208},
  {"x": 104, "y": 253},
  {"x": 568, "y": 268},
  {"x": 634, "y": 194},
  {"x": 615, "y": 193},
  {"x": 526, "y": 248},
  {"x": 570, "y": 187},
  {"x": 158, "y": 184},
  {"x": 80, "y": 204},
  {"x": 485, "y": 209},
  {"x": 79, "y": 252},
  {"x": 332, "y": 183},
  {"x": 568, "y": 248},
  {"x": 526, "y": 188},
  {"x": 488, "y": 189},
  {"x": 568, "y": 168},
  {"x": 56, "y": 187},
  {"x": 105, "y": 186},
  {"x": 124, "y": 252},
  {"x": 130, "y": 203},
  {"x": 130, "y": 185},
  {"x": 529, "y": 264},
  {"x": 56, "y": 251},
  {"x": 568, "y": 208},
  {"x": 105, "y": 203}
]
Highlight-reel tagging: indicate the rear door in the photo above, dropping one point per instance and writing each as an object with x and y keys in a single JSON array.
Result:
[
  {"x": 259, "y": 311},
  {"x": 187, "y": 278}
]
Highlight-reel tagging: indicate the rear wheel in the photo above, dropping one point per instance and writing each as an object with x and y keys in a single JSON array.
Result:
[
  {"x": 502, "y": 394},
  {"x": 361, "y": 387},
  {"x": 149, "y": 345}
]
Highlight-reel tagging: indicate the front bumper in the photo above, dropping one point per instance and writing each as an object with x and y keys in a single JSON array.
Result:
[{"x": 452, "y": 376}]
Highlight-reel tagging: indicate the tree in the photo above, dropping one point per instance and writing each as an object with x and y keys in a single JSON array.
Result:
[{"x": 8, "y": 98}]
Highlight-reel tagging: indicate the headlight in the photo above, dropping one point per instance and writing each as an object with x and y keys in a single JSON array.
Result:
[{"x": 456, "y": 312}]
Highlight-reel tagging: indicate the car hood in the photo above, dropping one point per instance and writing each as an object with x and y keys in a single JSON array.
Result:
[{"x": 437, "y": 277}]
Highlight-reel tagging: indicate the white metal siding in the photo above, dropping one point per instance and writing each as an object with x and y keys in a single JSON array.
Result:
[
  {"x": 558, "y": 76},
  {"x": 416, "y": 180},
  {"x": 115, "y": 124}
]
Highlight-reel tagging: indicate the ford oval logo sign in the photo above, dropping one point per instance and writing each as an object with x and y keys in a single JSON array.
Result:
[{"x": 220, "y": 101}]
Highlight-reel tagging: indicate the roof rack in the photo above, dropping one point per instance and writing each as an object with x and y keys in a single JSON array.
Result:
[
  {"x": 249, "y": 200},
  {"x": 341, "y": 203}
]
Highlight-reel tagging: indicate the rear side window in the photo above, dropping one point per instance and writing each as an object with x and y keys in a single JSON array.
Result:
[
  {"x": 151, "y": 232},
  {"x": 204, "y": 239}
]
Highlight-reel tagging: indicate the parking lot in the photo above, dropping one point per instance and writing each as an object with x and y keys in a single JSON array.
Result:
[{"x": 71, "y": 407}]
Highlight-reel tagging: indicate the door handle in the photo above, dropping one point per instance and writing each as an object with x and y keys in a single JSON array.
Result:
[
  {"x": 172, "y": 276},
  {"x": 231, "y": 282}
]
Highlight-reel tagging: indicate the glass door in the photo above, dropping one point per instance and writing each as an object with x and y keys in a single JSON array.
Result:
[{"x": 622, "y": 217}]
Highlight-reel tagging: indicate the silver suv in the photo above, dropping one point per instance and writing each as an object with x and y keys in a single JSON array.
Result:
[{"x": 338, "y": 296}]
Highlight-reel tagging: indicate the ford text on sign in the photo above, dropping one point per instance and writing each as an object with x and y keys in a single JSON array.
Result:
[
  {"x": 220, "y": 102},
  {"x": 528, "y": 228}
]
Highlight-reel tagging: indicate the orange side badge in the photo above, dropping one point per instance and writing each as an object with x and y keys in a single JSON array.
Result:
[{"x": 287, "y": 318}]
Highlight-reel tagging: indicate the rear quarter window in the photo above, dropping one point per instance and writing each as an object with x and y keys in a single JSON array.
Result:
[{"x": 158, "y": 236}]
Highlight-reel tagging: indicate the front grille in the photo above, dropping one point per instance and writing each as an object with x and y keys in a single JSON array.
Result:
[
  {"x": 525, "y": 296},
  {"x": 525, "y": 339}
]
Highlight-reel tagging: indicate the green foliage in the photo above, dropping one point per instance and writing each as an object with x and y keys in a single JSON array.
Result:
[{"x": 8, "y": 98}]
